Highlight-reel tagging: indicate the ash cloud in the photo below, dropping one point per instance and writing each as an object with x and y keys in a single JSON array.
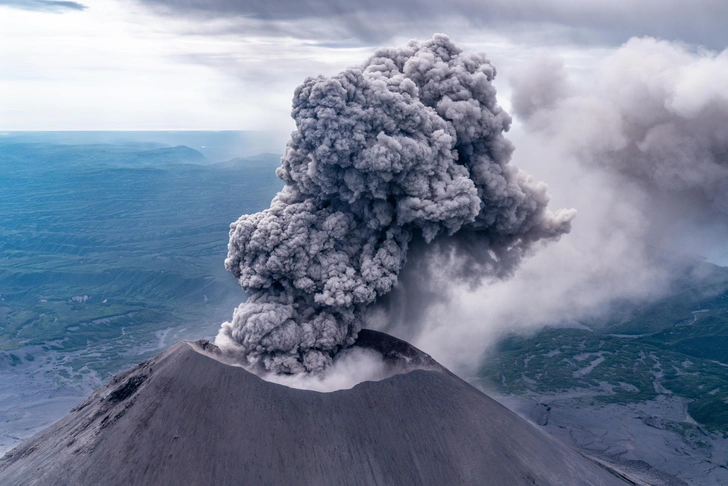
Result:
[
  {"x": 44, "y": 5},
  {"x": 639, "y": 146},
  {"x": 407, "y": 149},
  {"x": 656, "y": 115}
]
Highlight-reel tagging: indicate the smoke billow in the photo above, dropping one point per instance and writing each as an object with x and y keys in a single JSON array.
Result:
[
  {"x": 407, "y": 148},
  {"x": 639, "y": 145},
  {"x": 656, "y": 114}
]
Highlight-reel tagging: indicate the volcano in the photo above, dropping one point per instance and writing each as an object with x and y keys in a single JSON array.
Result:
[{"x": 188, "y": 417}]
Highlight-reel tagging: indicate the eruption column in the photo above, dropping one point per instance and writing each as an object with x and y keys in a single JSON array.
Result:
[{"x": 409, "y": 145}]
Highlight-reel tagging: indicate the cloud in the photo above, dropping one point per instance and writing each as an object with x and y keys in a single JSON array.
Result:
[
  {"x": 43, "y": 5},
  {"x": 639, "y": 146},
  {"x": 405, "y": 151},
  {"x": 656, "y": 114},
  {"x": 373, "y": 21}
]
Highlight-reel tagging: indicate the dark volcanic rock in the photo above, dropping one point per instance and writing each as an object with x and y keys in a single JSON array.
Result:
[{"x": 186, "y": 418}]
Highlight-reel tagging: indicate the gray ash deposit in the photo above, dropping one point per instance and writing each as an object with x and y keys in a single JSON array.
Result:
[{"x": 189, "y": 417}]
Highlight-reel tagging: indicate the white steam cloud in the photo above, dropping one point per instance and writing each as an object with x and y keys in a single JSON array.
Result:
[
  {"x": 406, "y": 149},
  {"x": 656, "y": 114},
  {"x": 640, "y": 147}
]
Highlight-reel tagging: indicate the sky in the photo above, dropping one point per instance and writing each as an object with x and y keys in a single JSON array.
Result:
[{"x": 227, "y": 64}]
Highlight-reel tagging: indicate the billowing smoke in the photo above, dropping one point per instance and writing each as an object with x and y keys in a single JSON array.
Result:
[
  {"x": 639, "y": 144},
  {"x": 406, "y": 149},
  {"x": 657, "y": 114}
]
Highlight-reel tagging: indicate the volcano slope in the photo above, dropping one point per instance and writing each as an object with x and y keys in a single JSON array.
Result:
[{"x": 188, "y": 417}]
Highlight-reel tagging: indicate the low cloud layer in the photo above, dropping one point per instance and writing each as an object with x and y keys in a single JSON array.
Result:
[
  {"x": 639, "y": 146},
  {"x": 613, "y": 22},
  {"x": 43, "y": 5},
  {"x": 407, "y": 150}
]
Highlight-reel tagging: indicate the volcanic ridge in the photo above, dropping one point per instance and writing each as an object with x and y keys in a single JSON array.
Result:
[{"x": 189, "y": 416}]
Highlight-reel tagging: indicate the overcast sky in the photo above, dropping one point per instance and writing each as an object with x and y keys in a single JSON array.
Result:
[{"x": 231, "y": 64}]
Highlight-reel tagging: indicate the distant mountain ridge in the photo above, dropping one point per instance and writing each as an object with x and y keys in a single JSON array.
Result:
[
  {"x": 216, "y": 145},
  {"x": 270, "y": 161},
  {"x": 100, "y": 155}
]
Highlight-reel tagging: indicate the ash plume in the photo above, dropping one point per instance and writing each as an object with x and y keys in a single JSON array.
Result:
[
  {"x": 656, "y": 114},
  {"x": 638, "y": 144},
  {"x": 408, "y": 147}
]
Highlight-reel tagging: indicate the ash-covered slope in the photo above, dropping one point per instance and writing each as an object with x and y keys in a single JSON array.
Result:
[{"x": 186, "y": 417}]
